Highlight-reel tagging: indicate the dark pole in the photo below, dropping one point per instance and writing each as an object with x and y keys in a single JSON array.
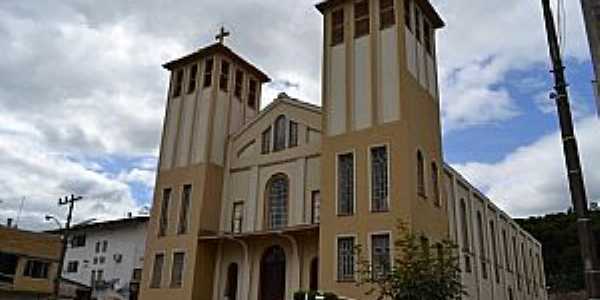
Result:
[
  {"x": 576, "y": 184},
  {"x": 71, "y": 202}
]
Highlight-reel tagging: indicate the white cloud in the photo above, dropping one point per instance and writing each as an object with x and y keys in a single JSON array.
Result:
[{"x": 532, "y": 179}]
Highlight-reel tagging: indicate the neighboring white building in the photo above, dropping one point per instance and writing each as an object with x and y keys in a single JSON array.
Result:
[{"x": 108, "y": 256}]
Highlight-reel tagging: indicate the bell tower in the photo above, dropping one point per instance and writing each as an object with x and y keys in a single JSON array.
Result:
[
  {"x": 213, "y": 92},
  {"x": 381, "y": 146}
]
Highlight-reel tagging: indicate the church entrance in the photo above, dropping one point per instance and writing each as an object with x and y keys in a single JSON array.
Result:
[{"x": 272, "y": 274}]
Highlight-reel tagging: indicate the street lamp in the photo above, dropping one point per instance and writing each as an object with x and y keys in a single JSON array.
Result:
[{"x": 53, "y": 218}]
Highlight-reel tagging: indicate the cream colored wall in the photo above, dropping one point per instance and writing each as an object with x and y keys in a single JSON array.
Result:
[
  {"x": 362, "y": 84},
  {"x": 336, "y": 123},
  {"x": 389, "y": 107},
  {"x": 477, "y": 286}
]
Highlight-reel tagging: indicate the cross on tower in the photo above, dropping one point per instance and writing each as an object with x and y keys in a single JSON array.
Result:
[{"x": 222, "y": 35}]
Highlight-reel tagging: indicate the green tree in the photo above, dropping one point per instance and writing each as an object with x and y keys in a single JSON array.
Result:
[{"x": 420, "y": 270}]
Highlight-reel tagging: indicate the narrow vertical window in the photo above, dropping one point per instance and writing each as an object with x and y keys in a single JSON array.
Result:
[
  {"x": 361, "y": 18},
  {"x": 293, "y": 135},
  {"x": 177, "y": 269},
  {"x": 97, "y": 248},
  {"x": 407, "y": 15},
  {"x": 278, "y": 191},
  {"x": 252, "y": 89},
  {"x": 380, "y": 255},
  {"x": 505, "y": 246},
  {"x": 93, "y": 278},
  {"x": 435, "y": 184},
  {"x": 316, "y": 207},
  {"x": 266, "y": 141},
  {"x": 192, "y": 80},
  {"x": 346, "y": 184},
  {"x": 427, "y": 35},
  {"x": 178, "y": 83},
  {"x": 345, "y": 259},
  {"x": 417, "y": 23},
  {"x": 465, "y": 225},
  {"x": 239, "y": 81},
  {"x": 208, "y": 72},
  {"x": 279, "y": 134},
  {"x": 387, "y": 16},
  {"x": 379, "y": 179},
  {"x": 337, "y": 27},
  {"x": 185, "y": 205},
  {"x": 224, "y": 76},
  {"x": 231, "y": 286},
  {"x": 164, "y": 213},
  {"x": 159, "y": 260},
  {"x": 237, "y": 217},
  {"x": 516, "y": 255},
  {"x": 494, "y": 251},
  {"x": 482, "y": 251},
  {"x": 420, "y": 174},
  {"x": 104, "y": 246}
]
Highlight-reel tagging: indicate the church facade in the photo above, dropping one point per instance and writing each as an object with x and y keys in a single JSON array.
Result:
[{"x": 257, "y": 204}]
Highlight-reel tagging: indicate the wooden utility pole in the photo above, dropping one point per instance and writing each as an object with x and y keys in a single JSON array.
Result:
[
  {"x": 576, "y": 184},
  {"x": 71, "y": 202}
]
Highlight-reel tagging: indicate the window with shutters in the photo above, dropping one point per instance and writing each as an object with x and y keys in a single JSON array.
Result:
[
  {"x": 361, "y": 18},
  {"x": 266, "y": 141},
  {"x": 208, "y": 72},
  {"x": 337, "y": 27},
  {"x": 186, "y": 197},
  {"x": 239, "y": 83},
  {"x": 407, "y": 14},
  {"x": 164, "y": 212},
  {"x": 193, "y": 78},
  {"x": 159, "y": 260},
  {"x": 380, "y": 255},
  {"x": 387, "y": 15},
  {"x": 238, "y": 217},
  {"x": 224, "y": 76},
  {"x": 293, "y": 135},
  {"x": 379, "y": 179},
  {"x": 177, "y": 270},
  {"x": 178, "y": 83},
  {"x": 252, "y": 91},
  {"x": 345, "y": 259},
  {"x": 345, "y": 184}
]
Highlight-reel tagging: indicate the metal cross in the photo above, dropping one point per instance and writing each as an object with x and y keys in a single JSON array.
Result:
[{"x": 222, "y": 35}]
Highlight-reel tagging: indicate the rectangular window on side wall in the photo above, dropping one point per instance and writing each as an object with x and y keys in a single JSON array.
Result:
[
  {"x": 266, "y": 141},
  {"x": 316, "y": 207},
  {"x": 177, "y": 270},
  {"x": 379, "y": 179},
  {"x": 78, "y": 241},
  {"x": 104, "y": 246},
  {"x": 252, "y": 92},
  {"x": 224, "y": 76},
  {"x": 186, "y": 197},
  {"x": 337, "y": 27},
  {"x": 237, "y": 217},
  {"x": 178, "y": 83},
  {"x": 345, "y": 184},
  {"x": 427, "y": 36},
  {"x": 97, "y": 247},
  {"x": 361, "y": 18},
  {"x": 36, "y": 269},
  {"x": 293, "y": 134},
  {"x": 208, "y": 72},
  {"x": 193, "y": 78},
  {"x": 156, "y": 279},
  {"x": 164, "y": 212},
  {"x": 417, "y": 22},
  {"x": 380, "y": 255},
  {"x": 72, "y": 266},
  {"x": 239, "y": 83},
  {"x": 345, "y": 259},
  {"x": 387, "y": 16}
]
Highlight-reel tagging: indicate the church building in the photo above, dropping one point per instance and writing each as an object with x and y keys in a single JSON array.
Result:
[{"x": 255, "y": 204}]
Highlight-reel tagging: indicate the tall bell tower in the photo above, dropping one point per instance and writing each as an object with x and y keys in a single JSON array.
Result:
[
  {"x": 213, "y": 93},
  {"x": 381, "y": 146}
]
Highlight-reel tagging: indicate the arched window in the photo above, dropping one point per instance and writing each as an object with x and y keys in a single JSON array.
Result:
[
  {"x": 420, "y": 174},
  {"x": 232, "y": 282},
  {"x": 435, "y": 183},
  {"x": 280, "y": 130},
  {"x": 277, "y": 199}
]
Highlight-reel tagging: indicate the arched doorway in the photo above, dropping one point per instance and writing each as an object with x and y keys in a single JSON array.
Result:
[
  {"x": 314, "y": 274},
  {"x": 272, "y": 274}
]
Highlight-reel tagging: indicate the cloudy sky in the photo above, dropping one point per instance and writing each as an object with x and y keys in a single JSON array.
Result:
[{"x": 82, "y": 95}]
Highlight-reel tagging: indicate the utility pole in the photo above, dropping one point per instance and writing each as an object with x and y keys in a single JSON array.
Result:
[
  {"x": 576, "y": 184},
  {"x": 71, "y": 202}
]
